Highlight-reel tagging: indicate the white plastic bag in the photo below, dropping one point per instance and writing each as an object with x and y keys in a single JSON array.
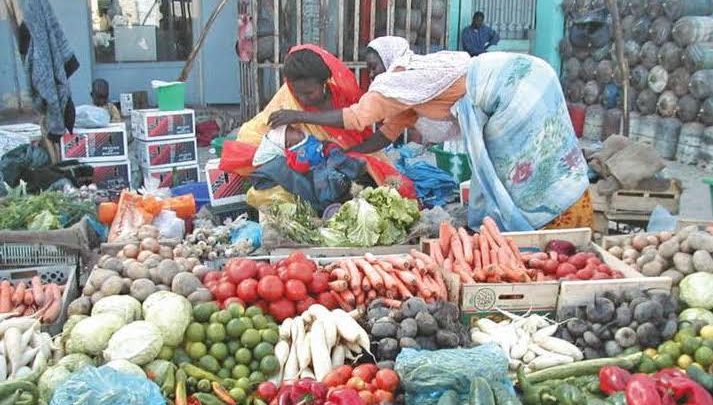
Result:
[
  {"x": 170, "y": 226},
  {"x": 91, "y": 116}
]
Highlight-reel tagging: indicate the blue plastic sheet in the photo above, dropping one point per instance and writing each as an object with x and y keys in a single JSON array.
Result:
[
  {"x": 106, "y": 386},
  {"x": 251, "y": 231},
  {"x": 434, "y": 187}
]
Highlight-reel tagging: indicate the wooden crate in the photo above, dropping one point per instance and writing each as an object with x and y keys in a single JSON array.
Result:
[
  {"x": 643, "y": 201},
  {"x": 686, "y": 222},
  {"x": 327, "y": 252}
]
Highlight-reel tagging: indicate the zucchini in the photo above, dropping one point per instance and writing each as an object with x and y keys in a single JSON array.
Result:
[
  {"x": 583, "y": 368},
  {"x": 480, "y": 392},
  {"x": 701, "y": 377},
  {"x": 449, "y": 397}
]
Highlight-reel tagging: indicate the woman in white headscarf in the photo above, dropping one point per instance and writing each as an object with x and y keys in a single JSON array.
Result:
[{"x": 528, "y": 171}]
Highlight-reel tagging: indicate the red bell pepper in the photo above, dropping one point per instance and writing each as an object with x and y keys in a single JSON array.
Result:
[
  {"x": 613, "y": 379},
  {"x": 664, "y": 377},
  {"x": 344, "y": 396},
  {"x": 302, "y": 392},
  {"x": 685, "y": 389},
  {"x": 641, "y": 390}
]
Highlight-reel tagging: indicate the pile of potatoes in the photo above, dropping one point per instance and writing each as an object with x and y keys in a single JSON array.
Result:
[
  {"x": 140, "y": 269},
  {"x": 667, "y": 254}
]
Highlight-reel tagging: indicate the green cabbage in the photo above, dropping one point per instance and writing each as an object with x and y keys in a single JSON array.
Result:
[
  {"x": 171, "y": 313},
  {"x": 75, "y": 361},
  {"x": 138, "y": 342},
  {"x": 52, "y": 378},
  {"x": 125, "y": 367},
  {"x": 696, "y": 314},
  {"x": 359, "y": 221},
  {"x": 123, "y": 305},
  {"x": 91, "y": 335},
  {"x": 696, "y": 290}
]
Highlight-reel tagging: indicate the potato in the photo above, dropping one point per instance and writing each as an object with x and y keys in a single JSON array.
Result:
[
  {"x": 652, "y": 269},
  {"x": 137, "y": 270},
  {"x": 96, "y": 297},
  {"x": 616, "y": 251},
  {"x": 142, "y": 288},
  {"x": 653, "y": 240},
  {"x": 645, "y": 258},
  {"x": 183, "y": 264},
  {"x": 665, "y": 236},
  {"x": 631, "y": 253},
  {"x": 649, "y": 248},
  {"x": 126, "y": 285},
  {"x": 185, "y": 284},
  {"x": 683, "y": 263},
  {"x": 80, "y": 306},
  {"x": 675, "y": 275},
  {"x": 120, "y": 255},
  {"x": 200, "y": 295},
  {"x": 167, "y": 270},
  {"x": 639, "y": 242},
  {"x": 165, "y": 252},
  {"x": 161, "y": 287},
  {"x": 154, "y": 274},
  {"x": 685, "y": 247},
  {"x": 112, "y": 286},
  {"x": 685, "y": 232},
  {"x": 98, "y": 276},
  {"x": 153, "y": 261},
  {"x": 131, "y": 251},
  {"x": 148, "y": 231},
  {"x": 89, "y": 289},
  {"x": 102, "y": 260},
  {"x": 701, "y": 241},
  {"x": 200, "y": 271},
  {"x": 668, "y": 248},
  {"x": 192, "y": 263},
  {"x": 659, "y": 259},
  {"x": 150, "y": 244},
  {"x": 702, "y": 261},
  {"x": 114, "y": 264},
  {"x": 143, "y": 255}
]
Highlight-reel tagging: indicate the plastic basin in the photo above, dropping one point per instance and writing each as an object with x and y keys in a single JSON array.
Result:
[
  {"x": 199, "y": 191},
  {"x": 171, "y": 98},
  {"x": 217, "y": 145}
]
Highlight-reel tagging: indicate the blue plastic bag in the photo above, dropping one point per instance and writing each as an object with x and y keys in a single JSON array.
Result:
[
  {"x": 91, "y": 116},
  {"x": 251, "y": 231},
  {"x": 106, "y": 386}
]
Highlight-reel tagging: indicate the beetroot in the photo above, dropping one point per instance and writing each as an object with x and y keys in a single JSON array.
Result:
[{"x": 561, "y": 247}]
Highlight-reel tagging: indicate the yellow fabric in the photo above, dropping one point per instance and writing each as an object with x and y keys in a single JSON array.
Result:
[
  {"x": 579, "y": 215},
  {"x": 260, "y": 198}
]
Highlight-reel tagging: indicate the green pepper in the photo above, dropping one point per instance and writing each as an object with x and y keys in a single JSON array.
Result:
[
  {"x": 200, "y": 374},
  {"x": 208, "y": 399},
  {"x": 26, "y": 398},
  {"x": 168, "y": 388},
  {"x": 589, "y": 383},
  {"x": 617, "y": 399},
  {"x": 568, "y": 394},
  {"x": 594, "y": 400},
  {"x": 9, "y": 388},
  {"x": 204, "y": 386},
  {"x": 531, "y": 393}
]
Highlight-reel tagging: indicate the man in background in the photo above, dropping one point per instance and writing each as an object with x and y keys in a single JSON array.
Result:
[
  {"x": 100, "y": 98},
  {"x": 477, "y": 38}
]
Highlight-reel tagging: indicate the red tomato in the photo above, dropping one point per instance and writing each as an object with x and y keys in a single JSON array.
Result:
[
  {"x": 270, "y": 288},
  {"x": 562, "y": 258},
  {"x": 550, "y": 266},
  {"x": 344, "y": 371},
  {"x": 367, "y": 397},
  {"x": 387, "y": 380},
  {"x": 594, "y": 261},
  {"x": 365, "y": 371},
  {"x": 212, "y": 276},
  {"x": 327, "y": 300},
  {"x": 211, "y": 285},
  {"x": 265, "y": 269},
  {"x": 266, "y": 391},
  {"x": 383, "y": 397},
  {"x": 263, "y": 305},
  {"x": 247, "y": 290},
  {"x": 295, "y": 290},
  {"x": 333, "y": 379},
  {"x": 282, "y": 273},
  {"x": 241, "y": 269},
  {"x": 603, "y": 268},
  {"x": 304, "y": 305},
  {"x": 224, "y": 290},
  {"x": 300, "y": 271},
  {"x": 282, "y": 309},
  {"x": 320, "y": 282},
  {"x": 356, "y": 383},
  {"x": 295, "y": 257},
  {"x": 233, "y": 300}
]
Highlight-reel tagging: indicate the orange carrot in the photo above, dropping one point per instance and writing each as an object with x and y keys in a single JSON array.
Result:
[
  {"x": 484, "y": 252},
  {"x": 360, "y": 300},
  {"x": 371, "y": 258},
  {"x": 348, "y": 297},
  {"x": 436, "y": 252},
  {"x": 340, "y": 300},
  {"x": 463, "y": 274},
  {"x": 448, "y": 265},
  {"x": 408, "y": 278},
  {"x": 515, "y": 250},
  {"x": 503, "y": 257},
  {"x": 29, "y": 298},
  {"x": 494, "y": 257},
  {"x": 386, "y": 266},
  {"x": 391, "y": 303},
  {"x": 339, "y": 274},
  {"x": 389, "y": 282},
  {"x": 457, "y": 248},
  {"x": 338, "y": 285},
  {"x": 494, "y": 232},
  {"x": 477, "y": 260},
  {"x": 19, "y": 294},
  {"x": 354, "y": 275},
  {"x": 5, "y": 297},
  {"x": 424, "y": 290},
  {"x": 443, "y": 291},
  {"x": 467, "y": 243},
  {"x": 428, "y": 260},
  {"x": 365, "y": 285},
  {"x": 444, "y": 237},
  {"x": 52, "y": 311},
  {"x": 374, "y": 278},
  {"x": 371, "y": 295},
  {"x": 398, "y": 262},
  {"x": 480, "y": 275},
  {"x": 37, "y": 291},
  {"x": 402, "y": 289},
  {"x": 420, "y": 265}
]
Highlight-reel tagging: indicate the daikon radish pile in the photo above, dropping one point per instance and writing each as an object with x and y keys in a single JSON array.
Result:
[{"x": 23, "y": 348}]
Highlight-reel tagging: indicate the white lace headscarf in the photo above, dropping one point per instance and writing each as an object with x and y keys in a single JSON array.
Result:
[{"x": 423, "y": 77}]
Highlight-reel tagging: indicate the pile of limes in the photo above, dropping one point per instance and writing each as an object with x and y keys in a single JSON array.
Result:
[
  {"x": 234, "y": 343},
  {"x": 689, "y": 346}
]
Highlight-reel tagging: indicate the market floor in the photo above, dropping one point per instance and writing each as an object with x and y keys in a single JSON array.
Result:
[{"x": 696, "y": 198}]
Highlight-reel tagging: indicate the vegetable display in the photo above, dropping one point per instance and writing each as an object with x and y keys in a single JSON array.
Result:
[
  {"x": 45, "y": 211},
  {"x": 43, "y": 301},
  {"x": 614, "y": 323},
  {"x": 213, "y": 243},
  {"x": 691, "y": 346},
  {"x": 24, "y": 350}
]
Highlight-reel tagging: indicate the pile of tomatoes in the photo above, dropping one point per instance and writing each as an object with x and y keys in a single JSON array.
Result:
[
  {"x": 374, "y": 385},
  {"x": 283, "y": 290}
]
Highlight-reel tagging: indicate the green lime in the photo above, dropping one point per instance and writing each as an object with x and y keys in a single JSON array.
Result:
[
  {"x": 195, "y": 332},
  {"x": 248, "y": 322},
  {"x": 254, "y": 365},
  {"x": 166, "y": 353},
  {"x": 196, "y": 350},
  {"x": 250, "y": 338},
  {"x": 708, "y": 343},
  {"x": 237, "y": 394},
  {"x": 704, "y": 356},
  {"x": 223, "y": 373},
  {"x": 219, "y": 351},
  {"x": 240, "y": 371},
  {"x": 236, "y": 327},
  {"x": 244, "y": 383},
  {"x": 647, "y": 365},
  {"x": 203, "y": 311},
  {"x": 671, "y": 348},
  {"x": 664, "y": 360},
  {"x": 260, "y": 321},
  {"x": 269, "y": 364},
  {"x": 233, "y": 346},
  {"x": 229, "y": 383},
  {"x": 683, "y": 333},
  {"x": 256, "y": 377},
  {"x": 252, "y": 311},
  {"x": 263, "y": 349},
  {"x": 229, "y": 363},
  {"x": 209, "y": 363},
  {"x": 215, "y": 332},
  {"x": 270, "y": 336},
  {"x": 224, "y": 316},
  {"x": 243, "y": 356},
  {"x": 690, "y": 344},
  {"x": 236, "y": 310}
]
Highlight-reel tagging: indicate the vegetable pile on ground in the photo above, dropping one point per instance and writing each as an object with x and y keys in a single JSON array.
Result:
[
  {"x": 34, "y": 298},
  {"x": 213, "y": 243},
  {"x": 668, "y": 255},
  {"x": 139, "y": 270},
  {"x": 415, "y": 325},
  {"x": 356, "y": 282},
  {"x": 45, "y": 211},
  {"x": 317, "y": 342},
  {"x": 527, "y": 341},
  {"x": 490, "y": 257},
  {"x": 283, "y": 289},
  {"x": 372, "y": 385},
  {"x": 615, "y": 323}
]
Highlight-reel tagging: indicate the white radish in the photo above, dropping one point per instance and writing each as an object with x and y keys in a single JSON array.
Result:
[
  {"x": 514, "y": 364},
  {"x": 519, "y": 349},
  {"x": 3, "y": 369},
  {"x": 28, "y": 356},
  {"x": 488, "y": 326},
  {"x": 282, "y": 352},
  {"x": 22, "y": 372},
  {"x": 12, "y": 340},
  {"x": 529, "y": 356},
  {"x": 303, "y": 355},
  {"x": 321, "y": 359},
  {"x": 285, "y": 329},
  {"x": 307, "y": 373},
  {"x": 551, "y": 360},
  {"x": 338, "y": 354},
  {"x": 40, "y": 361},
  {"x": 350, "y": 330},
  {"x": 27, "y": 335},
  {"x": 480, "y": 338},
  {"x": 353, "y": 347},
  {"x": 560, "y": 346},
  {"x": 546, "y": 331},
  {"x": 292, "y": 368},
  {"x": 330, "y": 329},
  {"x": 21, "y": 324}
]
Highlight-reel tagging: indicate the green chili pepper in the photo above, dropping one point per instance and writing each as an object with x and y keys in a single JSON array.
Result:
[
  {"x": 208, "y": 399},
  {"x": 200, "y": 374},
  {"x": 568, "y": 394}
]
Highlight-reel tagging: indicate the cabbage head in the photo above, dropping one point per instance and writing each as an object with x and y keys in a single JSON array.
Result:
[
  {"x": 696, "y": 290},
  {"x": 171, "y": 313},
  {"x": 52, "y": 378},
  {"x": 138, "y": 342},
  {"x": 91, "y": 335},
  {"x": 75, "y": 362},
  {"x": 123, "y": 305},
  {"x": 359, "y": 221},
  {"x": 126, "y": 367},
  {"x": 696, "y": 314}
]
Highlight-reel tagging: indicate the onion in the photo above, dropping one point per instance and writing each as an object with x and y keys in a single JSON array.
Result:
[{"x": 561, "y": 247}]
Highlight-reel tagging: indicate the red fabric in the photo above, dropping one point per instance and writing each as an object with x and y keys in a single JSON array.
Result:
[{"x": 345, "y": 92}]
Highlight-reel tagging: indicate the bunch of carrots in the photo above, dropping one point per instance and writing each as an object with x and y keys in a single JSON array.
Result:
[
  {"x": 354, "y": 283},
  {"x": 36, "y": 299},
  {"x": 485, "y": 257}
]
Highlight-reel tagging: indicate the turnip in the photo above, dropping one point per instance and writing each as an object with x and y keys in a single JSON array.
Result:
[
  {"x": 601, "y": 311},
  {"x": 625, "y": 337},
  {"x": 649, "y": 311},
  {"x": 648, "y": 335}
]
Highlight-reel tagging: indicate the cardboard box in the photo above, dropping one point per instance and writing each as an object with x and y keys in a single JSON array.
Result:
[
  {"x": 112, "y": 176},
  {"x": 173, "y": 176},
  {"x": 95, "y": 144},
  {"x": 126, "y": 101},
  {"x": 155, "y": 125},
  {"x": 224, "y": 187},
  {"x": 464, "y": 192},
  {"x": 173, "y": 152}
]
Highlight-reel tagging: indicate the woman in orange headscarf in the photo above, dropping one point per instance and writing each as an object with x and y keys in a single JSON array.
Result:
[{"x": 315, "y": 81}]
